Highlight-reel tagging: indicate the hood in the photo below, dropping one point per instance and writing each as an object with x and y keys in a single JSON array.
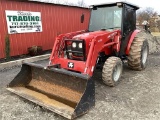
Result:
[{"x": 89, "y": 35}]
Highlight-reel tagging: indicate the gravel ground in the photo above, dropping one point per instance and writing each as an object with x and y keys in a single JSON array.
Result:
[
  {"x": 154, "y": 41},
  {"x": 136, "y": 97}
]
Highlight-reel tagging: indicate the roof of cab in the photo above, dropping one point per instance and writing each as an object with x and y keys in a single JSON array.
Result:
[{"x": 115, "y": 3}]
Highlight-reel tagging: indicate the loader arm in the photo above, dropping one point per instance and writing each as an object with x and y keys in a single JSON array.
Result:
[
  {"x": 60, "y": 41},
  {"x": 99, "y": 43},
  {"x": 102, "y": 43}
]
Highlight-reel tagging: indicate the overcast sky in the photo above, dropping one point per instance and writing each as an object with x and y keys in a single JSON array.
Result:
[{"x": 142, "y": 3}]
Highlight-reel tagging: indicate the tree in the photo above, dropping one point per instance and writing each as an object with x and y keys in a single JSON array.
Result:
[
  {"x": 51, "y": 1},
  {"x": 81, "y": 3},
  {"x": 146, "y": 14}
]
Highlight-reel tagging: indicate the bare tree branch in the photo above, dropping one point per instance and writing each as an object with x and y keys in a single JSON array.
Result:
[
  {"x": 149, "y": 15},
  {"x": 80, "y": 3},
  {"x": 146, "y": 14}
]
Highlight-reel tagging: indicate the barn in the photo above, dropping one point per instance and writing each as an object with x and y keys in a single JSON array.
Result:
[{"x": 31, "y": 23}]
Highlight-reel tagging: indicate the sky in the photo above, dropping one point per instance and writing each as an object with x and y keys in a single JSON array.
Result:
[{"x": 141, "y": 3}]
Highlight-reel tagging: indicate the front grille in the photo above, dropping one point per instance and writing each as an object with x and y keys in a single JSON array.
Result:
[{"x": 75, "y": 53}]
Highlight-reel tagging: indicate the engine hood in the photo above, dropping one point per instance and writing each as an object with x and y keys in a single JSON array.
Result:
[{"x": 89, "y": 35}]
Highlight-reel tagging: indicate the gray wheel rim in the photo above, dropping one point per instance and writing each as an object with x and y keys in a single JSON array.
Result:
[
  {"x": 144, "y": 55},
  {"x": 117, "y": 72}
]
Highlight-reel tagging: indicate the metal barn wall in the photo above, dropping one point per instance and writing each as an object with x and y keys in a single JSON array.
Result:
[{"x": 55, "y": 19}]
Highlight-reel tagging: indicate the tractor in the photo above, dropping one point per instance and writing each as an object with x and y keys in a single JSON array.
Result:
[{"x": 66, "y": 86}]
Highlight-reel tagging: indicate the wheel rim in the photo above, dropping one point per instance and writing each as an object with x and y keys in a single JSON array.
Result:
[
  {"x": 117, "y": 72},
  {"x": 144, "y": 55}
]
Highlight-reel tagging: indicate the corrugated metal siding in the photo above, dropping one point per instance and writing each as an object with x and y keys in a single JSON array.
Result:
[{"x": 56, "y": 19}]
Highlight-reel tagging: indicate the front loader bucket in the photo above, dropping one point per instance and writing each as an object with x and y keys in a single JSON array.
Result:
[{"x": 67, "y": 93}]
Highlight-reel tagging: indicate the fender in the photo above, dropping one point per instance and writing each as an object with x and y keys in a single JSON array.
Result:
[{"x": 131, "y": 40}]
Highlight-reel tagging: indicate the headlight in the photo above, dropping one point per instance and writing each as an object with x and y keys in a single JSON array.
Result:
[
  {"x": 74, "y": 44},
  {"x": 80, "y": 45}
]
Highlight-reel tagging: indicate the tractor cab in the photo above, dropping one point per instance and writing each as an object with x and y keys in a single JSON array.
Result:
[
  {"x": 105, "y": 18},
  {"x": 119, "y": 15},
  {"x": 112, "y": 16}
]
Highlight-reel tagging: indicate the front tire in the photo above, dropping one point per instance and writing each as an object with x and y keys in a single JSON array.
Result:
[
  {"x": 112, "y": 71},
  {"x": 137, "y": 59}
]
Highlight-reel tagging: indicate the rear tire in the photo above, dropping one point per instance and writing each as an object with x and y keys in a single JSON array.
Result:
[
  {"x": 112, "y": 71},
  {"x": 138, "y": 54}
]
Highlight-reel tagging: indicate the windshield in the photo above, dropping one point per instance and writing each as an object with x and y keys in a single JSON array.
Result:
[{"x": 105, "y": 18}]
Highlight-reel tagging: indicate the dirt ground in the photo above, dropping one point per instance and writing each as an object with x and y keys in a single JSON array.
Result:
[
  {"x": 156, "y": 33},
  {"x": 137, "y": 97}
]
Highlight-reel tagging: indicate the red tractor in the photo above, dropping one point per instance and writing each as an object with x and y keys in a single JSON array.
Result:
[{"x": 66, "y": 86}]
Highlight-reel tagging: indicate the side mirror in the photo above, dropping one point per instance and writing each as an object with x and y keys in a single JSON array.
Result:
[{"x": 82, "y": 18}]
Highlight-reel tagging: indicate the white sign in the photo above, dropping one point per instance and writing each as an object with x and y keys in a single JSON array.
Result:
[{"x": 23, "y": 21}]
